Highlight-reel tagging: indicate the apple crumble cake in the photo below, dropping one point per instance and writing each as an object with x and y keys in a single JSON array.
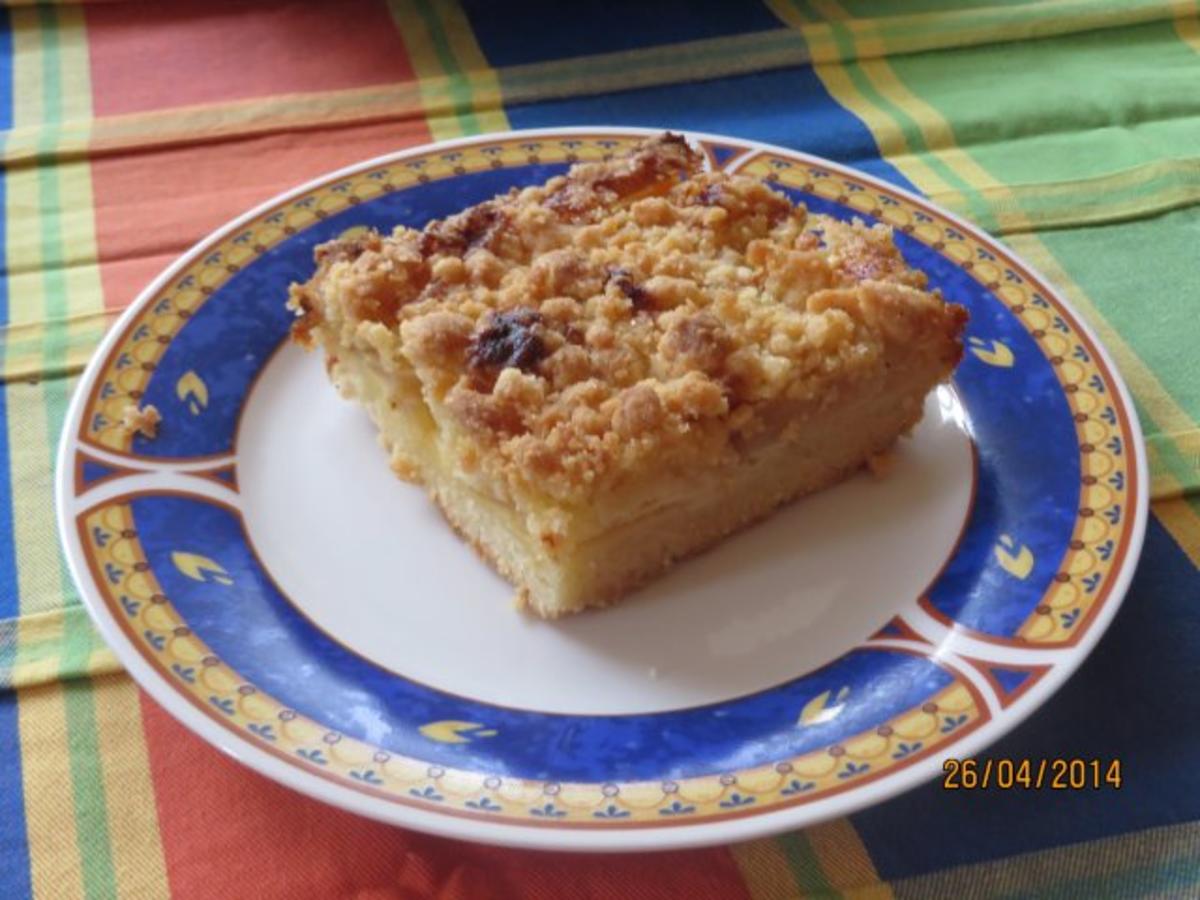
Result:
[{"x": 605, "y": 373}]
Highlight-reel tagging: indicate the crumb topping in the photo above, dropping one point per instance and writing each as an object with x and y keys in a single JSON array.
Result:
[
  {"x": 141, "y": 420},
  {"x": 628, "y": 309}
]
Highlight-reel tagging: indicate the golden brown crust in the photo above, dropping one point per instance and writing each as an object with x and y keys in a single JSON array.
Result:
[{"x": 631, "y": 311}]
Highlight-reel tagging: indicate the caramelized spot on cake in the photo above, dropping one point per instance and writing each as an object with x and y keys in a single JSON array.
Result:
[
  {"x": 512, "y": 340},
  {"x": 651, "y": 169},
  {"x": 347, "y": 248},
  {"x": 302, "y": 302},
  {"x": 476, "y": 227}
]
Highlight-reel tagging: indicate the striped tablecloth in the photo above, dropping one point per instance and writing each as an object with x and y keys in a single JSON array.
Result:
[{"x": 1070, "y": 128}]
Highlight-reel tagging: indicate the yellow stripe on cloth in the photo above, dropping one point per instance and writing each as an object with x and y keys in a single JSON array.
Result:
[
  {"x": 460, "y": 92},
  {"x": 138, "y": 859},
  {"x": 55, "y": 861},
  {"x": 485, "y": 85},
  {"x": 55, "y": 864},
  {"x": 1181, "y": 519},
  {"x": 56, "y": 854},
  {"x": 1163, "y": 485},
  {"x": 75, "y": 92},
  {"x": 835, "y": 858},
  {"x": 765, "y": 870},
  {"x": 1187, "y": 22},
  {"x": 28, "y": 62},
  {"x": 845, "y": 860},
  {"x": 35, "y": 535}
]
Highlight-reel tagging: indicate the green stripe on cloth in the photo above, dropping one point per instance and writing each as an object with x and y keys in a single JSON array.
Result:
[
  {"x": 1036, "y": 161},
  {"x": 451, "y": 82},
  {"x": 87, "y": 782},
  {"x": 1098, "y": 259},
  {"x": 806, "y": 867},
  {"x": 900, "y": 30},
  {"x": 458, "y": 82},
  {"x": 458, "y": 90},
  {"x": 1054, "y": 179}
]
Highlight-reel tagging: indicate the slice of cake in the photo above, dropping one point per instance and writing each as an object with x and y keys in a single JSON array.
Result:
[{"x": 598, "y": 376}]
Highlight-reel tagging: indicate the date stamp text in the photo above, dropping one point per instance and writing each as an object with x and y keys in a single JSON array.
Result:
[{"x": 1057, "y": 774}]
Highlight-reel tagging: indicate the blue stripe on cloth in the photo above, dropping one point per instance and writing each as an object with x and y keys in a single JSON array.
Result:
[
  {"x": 1133, "y": 699},
  {"x": 789, "y": 107},
  {"x": 14, "y": 846},
  {"x": 14, "y": 842},
  {"x": 585, "y": 27}
]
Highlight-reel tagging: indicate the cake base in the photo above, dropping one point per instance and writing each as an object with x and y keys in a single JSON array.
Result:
[{"x": 673, "y": 521}]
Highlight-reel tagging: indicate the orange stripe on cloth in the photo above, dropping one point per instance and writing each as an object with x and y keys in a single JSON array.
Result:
[
  {"x": 228, "y": 832},
  {"x": 152, "y": 206},
  {"x": 161, "y": 55}
]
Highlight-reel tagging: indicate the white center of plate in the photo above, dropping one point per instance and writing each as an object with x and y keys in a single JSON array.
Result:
[{"x": 371, "y": 562}]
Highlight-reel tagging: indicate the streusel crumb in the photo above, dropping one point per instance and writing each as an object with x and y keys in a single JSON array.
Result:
[
  {"x": 629, "y": 309},
  {"x": 141, "y": 420}
]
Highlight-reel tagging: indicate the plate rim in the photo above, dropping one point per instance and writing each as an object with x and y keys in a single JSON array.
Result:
[{"x": 677, "y": 836}]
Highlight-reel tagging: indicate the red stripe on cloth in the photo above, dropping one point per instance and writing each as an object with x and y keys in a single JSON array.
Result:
[
  {"x": 151, "y": 206},
  {"x": 228, "y": 832},
  {"x": 160, "y": 55}
]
